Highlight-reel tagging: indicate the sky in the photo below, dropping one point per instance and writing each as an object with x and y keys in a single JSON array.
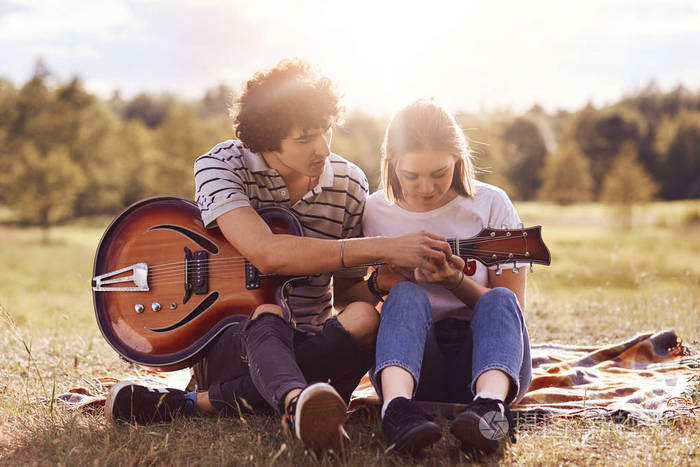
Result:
[{"x": 470, "y": 55}]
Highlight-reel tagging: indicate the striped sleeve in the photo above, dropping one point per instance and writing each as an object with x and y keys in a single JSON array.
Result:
[
  {"x": 358, "y": 189},
  {"x": 219, "y": 184}
]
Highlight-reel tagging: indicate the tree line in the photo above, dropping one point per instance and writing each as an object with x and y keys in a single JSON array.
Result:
[{"x": 65, "y": 153}]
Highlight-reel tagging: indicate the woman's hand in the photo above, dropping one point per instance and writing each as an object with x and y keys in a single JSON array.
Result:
[
  {"x": 388, "y": 275},
  {"x": 448, "y": 273}
]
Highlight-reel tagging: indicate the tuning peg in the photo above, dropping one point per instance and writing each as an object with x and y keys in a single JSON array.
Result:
[{"x": 498, "y": 270}]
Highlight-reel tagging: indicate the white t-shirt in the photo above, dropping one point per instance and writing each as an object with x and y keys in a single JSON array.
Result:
[{"x": 460, "y": 218}]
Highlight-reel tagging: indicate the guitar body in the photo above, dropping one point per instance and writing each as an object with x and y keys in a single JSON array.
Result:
[{"x": 164, "y": 286}]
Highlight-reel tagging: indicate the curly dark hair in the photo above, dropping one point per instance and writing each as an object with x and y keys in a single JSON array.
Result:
[{"x": 274, "y": 101}]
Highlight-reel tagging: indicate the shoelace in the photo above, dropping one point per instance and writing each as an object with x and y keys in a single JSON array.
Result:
[
  {"x": 511, "y": 424},
  {"x": 291, "y": 410}
]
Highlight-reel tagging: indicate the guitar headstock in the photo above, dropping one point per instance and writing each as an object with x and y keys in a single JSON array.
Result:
[{"x": 520, "y": 247}]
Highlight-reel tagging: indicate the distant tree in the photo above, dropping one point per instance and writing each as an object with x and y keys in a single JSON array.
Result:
[
  {"x": 627, "y": 183},
  {"x": 485, "y": 137},
  {"x": 359, "y": 139},
  {"x": 216, "y": 102},
  {"x": 178, "y": 142},
  {"x": 524, "y": 157},
  {"x": 29, "y": 121},
  {"x": 8, "y": 95},
  {"x": 119, "y": 169},
  {"x": 135, "y": 159},
  {"x": 44, "y": 186},
  {"x": 117, "y": 104},
  {"x": 566, "y": 176},
  {"x": 8, "y": 108},
  {"x": 83, "y": 124},
  {"x": 151, "y": 110},
  {"x": 677, "y": 146},
  {"x": 601, "y": 133}
]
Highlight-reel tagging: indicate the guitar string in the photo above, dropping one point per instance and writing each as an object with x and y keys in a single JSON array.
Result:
[
  {"x": 227, "y": 263},
  {"x": 177, "y": 265},
  {"x": 228, "y": 274},
  {"x": 218, "y": 269}
]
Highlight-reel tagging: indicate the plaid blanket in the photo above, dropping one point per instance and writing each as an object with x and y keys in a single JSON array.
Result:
[
  {"x": 647, "y": 378},
  {"x": 650, "y": 377}
]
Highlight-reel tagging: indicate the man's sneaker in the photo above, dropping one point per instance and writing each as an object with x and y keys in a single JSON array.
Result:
[
  {"x": 317, "y": 415},
  {"x": 407, "y": 427},
  {"x": 484, "y": 425},
  {"x": 131, "y": 402}
]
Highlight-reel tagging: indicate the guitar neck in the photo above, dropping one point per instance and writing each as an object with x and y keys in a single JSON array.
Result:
[{"x": 490, "y": 247}]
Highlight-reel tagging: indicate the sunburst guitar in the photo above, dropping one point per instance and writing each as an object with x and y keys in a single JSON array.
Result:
[{"x": 164, "y": 286}]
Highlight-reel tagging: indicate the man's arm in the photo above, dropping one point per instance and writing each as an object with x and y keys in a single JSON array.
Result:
[
  {"x": 351, "y": 289},
  {"x": 291, "y": 255}
]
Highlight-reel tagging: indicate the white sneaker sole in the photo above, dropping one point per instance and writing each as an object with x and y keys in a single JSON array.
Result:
[
  {"x": 319, "y": 418},
  {"x": 111, "y": 397}
]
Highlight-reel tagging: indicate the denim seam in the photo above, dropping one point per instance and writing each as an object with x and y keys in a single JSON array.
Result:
[{"x": 400, "y": 364}]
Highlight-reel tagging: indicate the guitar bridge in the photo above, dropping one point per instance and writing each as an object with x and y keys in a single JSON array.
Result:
[{"x": 139, "y": 279}]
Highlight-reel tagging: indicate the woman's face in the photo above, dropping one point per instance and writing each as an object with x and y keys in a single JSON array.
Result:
[{"x": 426, "y": 179}]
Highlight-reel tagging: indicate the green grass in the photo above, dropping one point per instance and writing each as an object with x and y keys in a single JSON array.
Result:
[{"x": 604, "y": 285}]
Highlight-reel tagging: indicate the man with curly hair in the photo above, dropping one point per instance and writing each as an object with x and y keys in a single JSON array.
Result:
[{"x": 282, "y": 157}]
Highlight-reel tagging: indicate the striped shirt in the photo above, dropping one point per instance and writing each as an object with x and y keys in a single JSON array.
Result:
[{"x": 230, "y": 176}]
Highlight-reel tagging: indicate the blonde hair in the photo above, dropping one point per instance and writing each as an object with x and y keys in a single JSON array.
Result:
[{"x": 425, "y": 125}]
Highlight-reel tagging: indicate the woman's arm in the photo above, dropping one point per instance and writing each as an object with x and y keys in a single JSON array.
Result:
[
  {"x": 450, "y": 275},
  {"x": 512, "y": 281}
]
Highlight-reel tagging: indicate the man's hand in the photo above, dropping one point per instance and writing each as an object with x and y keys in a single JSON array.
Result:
[
  {"x": 446, "y": 273},
  {"x": 418, "y": 250}
]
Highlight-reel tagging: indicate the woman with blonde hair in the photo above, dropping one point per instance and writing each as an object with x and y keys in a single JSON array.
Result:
[{"x": 458, "y": 334}]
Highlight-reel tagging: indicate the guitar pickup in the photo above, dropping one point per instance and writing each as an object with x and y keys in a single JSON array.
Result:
[
  {"x": 252, "y": 276},
  {"x": 139, "y": 279},
  {"x": 200, "y": 272},
  {"x": 196, "y": 273}
]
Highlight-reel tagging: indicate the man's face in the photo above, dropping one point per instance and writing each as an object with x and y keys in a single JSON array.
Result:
[{"x": 305, "y": 150}]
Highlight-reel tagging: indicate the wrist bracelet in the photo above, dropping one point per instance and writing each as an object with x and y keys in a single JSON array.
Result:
[
  {"x": 461, "y": 278},
  {"x": 374, "y": 288},
  {"x": 342, "y": 253}
]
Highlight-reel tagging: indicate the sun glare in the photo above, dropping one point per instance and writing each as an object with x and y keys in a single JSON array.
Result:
[{"x": 390, "y": 50}]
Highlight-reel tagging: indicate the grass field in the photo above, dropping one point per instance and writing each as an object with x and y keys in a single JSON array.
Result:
[{"x": 604, "y": 285}]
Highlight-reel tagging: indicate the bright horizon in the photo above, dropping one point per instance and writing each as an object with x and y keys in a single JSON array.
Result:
[{"x": 470, "y": 55}]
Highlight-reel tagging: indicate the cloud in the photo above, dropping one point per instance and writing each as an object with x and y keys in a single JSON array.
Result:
[
  {"x": 102, "y": 21},
  {"x": 383, "y": 52}
]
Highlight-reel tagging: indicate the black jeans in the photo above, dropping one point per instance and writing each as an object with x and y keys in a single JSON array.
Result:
[{"x": 253, "y": 365}]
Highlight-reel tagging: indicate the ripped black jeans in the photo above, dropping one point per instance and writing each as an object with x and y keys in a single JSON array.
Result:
[{"x": 254, "y": 364}]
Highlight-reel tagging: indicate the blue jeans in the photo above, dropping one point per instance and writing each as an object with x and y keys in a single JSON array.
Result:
[{"x": 447, "y": 357}]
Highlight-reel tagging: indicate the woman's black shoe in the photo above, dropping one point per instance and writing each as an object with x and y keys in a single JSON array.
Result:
[
  {"x": 484, "y": 425},
  {"x": 407, "y": 427}
]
